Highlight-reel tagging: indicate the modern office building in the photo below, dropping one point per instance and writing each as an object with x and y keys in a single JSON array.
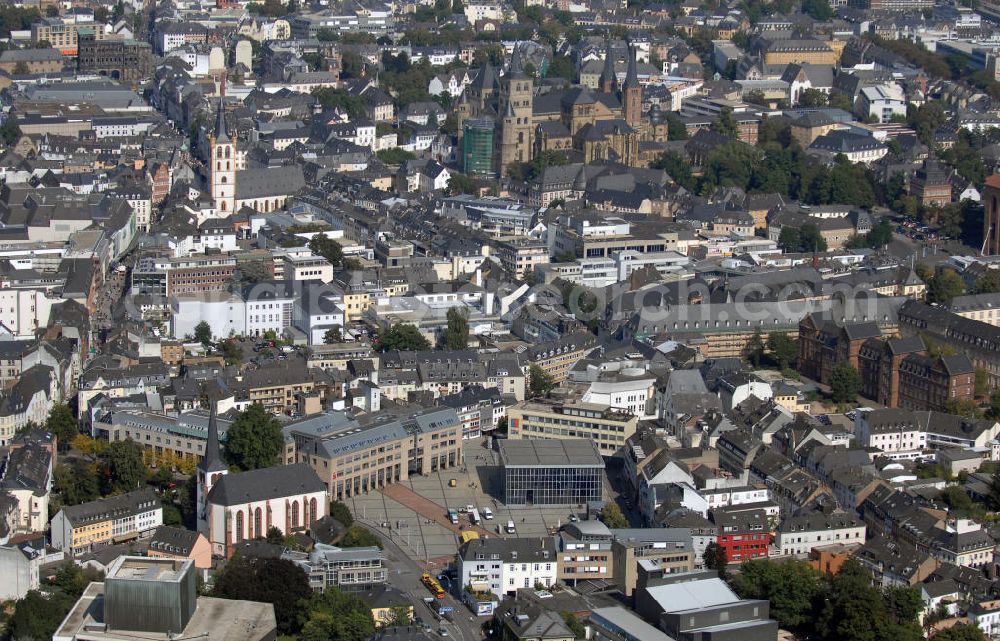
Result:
[
  {"x": 546, "y": 472},
  {"x": 349, "y": 569},
  {"x": 608, "y": 427},
  {"x": 477, "y": 147}
]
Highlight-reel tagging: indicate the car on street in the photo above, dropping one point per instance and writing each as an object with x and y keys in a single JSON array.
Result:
[{"x": 443, "y": 632}]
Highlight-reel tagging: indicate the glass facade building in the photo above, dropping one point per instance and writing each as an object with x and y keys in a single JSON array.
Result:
[
  {"x": 477, "y": 147},
  {"x": 547, "y": 472}
]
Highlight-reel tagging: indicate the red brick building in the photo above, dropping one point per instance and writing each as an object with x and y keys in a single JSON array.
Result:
[
  {"x": 927, "y": 383},
  {"x": 824, "y": 344},
  {"x": 878, "y": 364}
]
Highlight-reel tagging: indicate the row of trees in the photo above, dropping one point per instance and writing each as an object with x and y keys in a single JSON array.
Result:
[{"x": 845, "y": 607}]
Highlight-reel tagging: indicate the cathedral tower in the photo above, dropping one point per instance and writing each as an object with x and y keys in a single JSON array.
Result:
[
  {"x": 632, "y": 94},
  {"x": 515, "y": 108},
  {"x": 608, "y": 82}
]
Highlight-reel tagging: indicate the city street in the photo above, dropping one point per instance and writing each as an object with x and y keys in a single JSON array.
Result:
[{"x": 404, "y": 575}]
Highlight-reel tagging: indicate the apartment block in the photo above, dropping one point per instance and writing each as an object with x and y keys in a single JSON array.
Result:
[
  {"x": 82, "y": 528},
  {"x": 608, "y": 427}
]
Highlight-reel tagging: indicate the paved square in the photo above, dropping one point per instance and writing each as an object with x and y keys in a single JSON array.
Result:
[{"x": 425, "y": 537}]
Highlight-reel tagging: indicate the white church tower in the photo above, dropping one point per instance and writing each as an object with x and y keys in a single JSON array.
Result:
[
  {"x": 222, "y": 166},
  {"x": 210, "y": 469}
]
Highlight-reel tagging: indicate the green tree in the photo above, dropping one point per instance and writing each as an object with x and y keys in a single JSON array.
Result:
[
  {"x": 254, "y": 440},
  {"x": 321, "y": 245},
  {"x": 540, "y": 382},
  {"x": 715, "y": 558},
  {"x": 989, "y": 282},
  {"x": 10, "y": 132},
  {"x": 402, "y": 337},
  {"x": 880, "y": 234},
  {"x": 677, "y": 168},
  {"x": 792, "y": 588},
  {"x": 456, "y": 334},
  {"x": 845, "y": 383},
  {"x": 676, "y": 129},
  {"x": 275, "y": 581},
  {"x": 853, "y": 610},
  {"x": 573, "y": 624},
  {"x": 122, "y": 467},
  {"x": 818, "y": 9},
  {"x": 561, "y": 67},
  {"x": 333, "y": 615},
  {"x": 399, "y": 615},
  {"x": 755, "y": 348},
  {"x": 459, "y": 183},
  {"x": 982, "y": 387},
  {"x": 359, "y": 537},
  {"x": 789, "y": 239},
  {"x": 611, "y": 516},
  {"x": 725, "y": 124},
  {"x": 37, "y": 617},
  {"x": 960, "y": 632},
  {"x": 203, "y": 333},
  {"x": 172, "y": 515},
  {"x": 274, "y": 536},
  {"x": 341, "y": 513},
  {"x": 810, "y": 239},
  {"x": 783, "y": 348},
  {"x": 963, "y": 407},
  {"x": 73, "y": 579},
  {"x": 332, "y": 98},
  {"x": 76, "y": 482},
  {"x": 332, "y": 336},
  {"x": 62, "y": 424},
  {"x": 351, "y": 65},
  {"x": 945, "y": 285},
  {"x": 812, "y": 98}
]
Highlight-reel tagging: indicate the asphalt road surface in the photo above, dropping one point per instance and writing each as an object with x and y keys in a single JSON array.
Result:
[{"x": 404, "y": 575}]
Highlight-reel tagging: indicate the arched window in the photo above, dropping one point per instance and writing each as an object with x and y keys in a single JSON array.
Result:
[
  {"x": 218, "y": 152},
  {"x": 227, "y": 165},
  {"x": 227, "y": 152},
  {"x": 223, "y": 180},
  {"x": 239, "y": 527},
  {"x": 312, "y": 511},
  {"x": 223, "y": 208},
  {"x": 258, "y": 530},
  {"x": 295, "y": 514}
]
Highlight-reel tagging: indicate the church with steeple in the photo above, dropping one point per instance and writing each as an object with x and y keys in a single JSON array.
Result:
[
  {"x": 210, "y": 469},
  {"x": 222, "y": 166},
  {"x": 606, "y": 124},
  {"x": 232, "y": 185},
  {"x": 242, "y": 506}
]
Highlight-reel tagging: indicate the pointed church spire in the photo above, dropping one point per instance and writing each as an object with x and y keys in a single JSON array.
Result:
[
  {"x": 221, "y": 135},
  {"x": 632, "y": 77},
  {"x": 607, "y": 80},
  {"x": 212, "y": 461},
  {"x": 516, "y": 69}
]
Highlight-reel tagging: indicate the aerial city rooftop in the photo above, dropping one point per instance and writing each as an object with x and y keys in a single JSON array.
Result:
[{"x": 501, "y": 321}]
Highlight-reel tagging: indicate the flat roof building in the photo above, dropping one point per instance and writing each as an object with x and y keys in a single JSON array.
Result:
[
  {"x": 146, "y": 599},
  {"x": 547, "y": 472}
]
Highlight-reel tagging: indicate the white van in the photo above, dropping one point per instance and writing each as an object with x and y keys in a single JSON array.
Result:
[
  {"x": 487, "y": 513},
  {"x": 510, "y": 527}
]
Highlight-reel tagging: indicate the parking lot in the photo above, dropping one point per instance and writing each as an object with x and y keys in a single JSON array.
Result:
[{"x": 422, "y": 529}]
